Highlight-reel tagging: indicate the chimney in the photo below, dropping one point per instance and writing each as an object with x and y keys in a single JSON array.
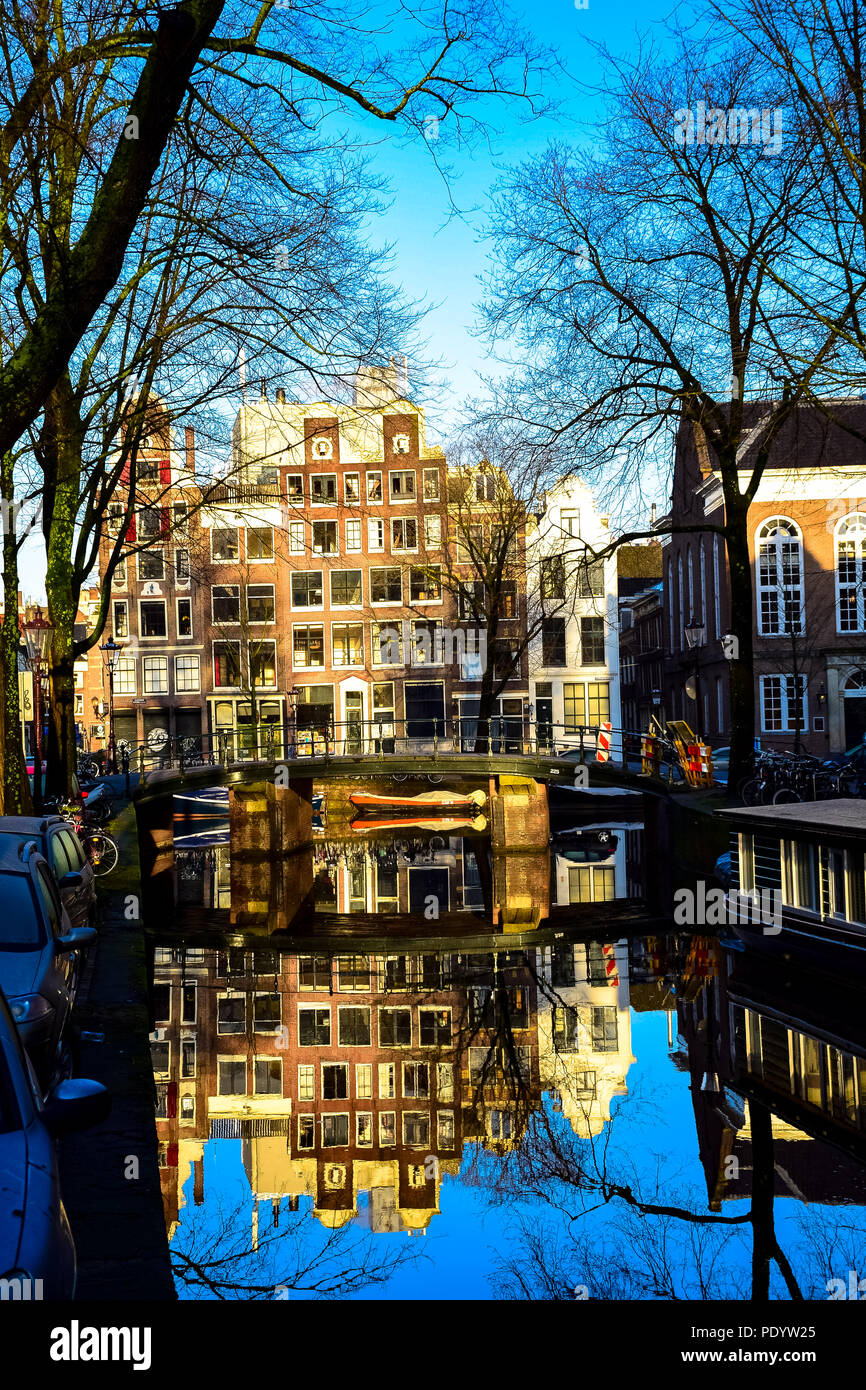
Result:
[
  {"x": 189, "y": 446},
  {"x": 198, "y": 1182},
  {"x": 281, "y": 396},
  {"x": 652, "y": 516},
  {"x": 264, "y": 395},
  {"x": 401, "y": 375}
]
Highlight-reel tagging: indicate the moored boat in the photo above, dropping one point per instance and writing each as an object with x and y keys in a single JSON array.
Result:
[
  {"x": 439, "y": 823},
  {"x": 429, "y": 801}
]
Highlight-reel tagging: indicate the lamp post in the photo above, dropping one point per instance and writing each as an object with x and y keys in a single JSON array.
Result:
[
  {"x": 38, "y": 632},
  {"x": 111, "y": 651},
  {"x": 695, "y": 633}
]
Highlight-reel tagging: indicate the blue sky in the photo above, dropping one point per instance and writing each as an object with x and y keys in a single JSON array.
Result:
[{"x": 438, "y": 257}]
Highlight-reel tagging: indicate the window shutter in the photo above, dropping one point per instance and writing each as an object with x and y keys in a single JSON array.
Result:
[
  {"x": 130, "y": 530},
  {"x": 165, "y": 470},
  {"x": 164, "y": 523},
  {"x": 124, "y": 476}
]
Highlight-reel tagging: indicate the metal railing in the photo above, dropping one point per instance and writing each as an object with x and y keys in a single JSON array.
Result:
[{"x": 501, "y": 735}]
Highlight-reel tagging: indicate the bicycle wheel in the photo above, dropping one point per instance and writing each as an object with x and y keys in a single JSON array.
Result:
[
  {"x": 785, "y": 796},
  {"x": 435, "y": 776},
  {"x": 102, "y": 852},
  {"x": 750, "y": 791}
]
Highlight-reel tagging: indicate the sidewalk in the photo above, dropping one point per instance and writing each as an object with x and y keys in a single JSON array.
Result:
[{"x": 110, "y": 1175}]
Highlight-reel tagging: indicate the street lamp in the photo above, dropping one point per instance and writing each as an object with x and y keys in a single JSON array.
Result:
[
  {"x": 695, "y": 634},
  {"x": 38, "y": 632},
  {"x": 111, "y": 651}
]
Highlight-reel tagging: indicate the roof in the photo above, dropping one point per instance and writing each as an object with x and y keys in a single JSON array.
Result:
[
  {"x": 813, "y": 435},
  {"x": 842, "y": 813}
]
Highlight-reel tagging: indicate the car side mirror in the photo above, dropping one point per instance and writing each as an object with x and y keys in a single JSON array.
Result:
[
  {"x": 75, "y": 1105},
  {"x": 73, "y": 879},
  {"x": 76, "y": 939}
]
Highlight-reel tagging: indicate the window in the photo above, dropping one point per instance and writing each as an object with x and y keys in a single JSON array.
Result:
[
  {"x": 352, "y": 488},
  {"x": 226, "y": 603},
  {"x": 308, "y": 646},
  {"x": 184, "y": 617},
  {"x": 188, "y": 1003},
  {"x": 345, "y": 588},
  {"x": 260, "y": 603},
  {"x": 323, "y": 489},
  {"x": 428, "y": 644},
  {"x": 149, "y": 523},
  {"x": 314, "y": 972},
  {"x": 226, "y": 665},
  {"x": 374, "y": 487},
  {"x": 404, "y": 533},
  {"x": 353, "y": 1026},
  {"x": 850, "y": 573},
  {"x": 263, "y": 665},
  {"x": 268, "y": 1076},
  {"x": 335, "y": 1081},
  {"x": 124, "y": 676},
  {"x": 155, "y": 675},
  {"x": 151, "y": 564},
  {"x": 307, "y": 591},
  {"x": 565, "y": 1038},
  {"x": 553, "y": 642},
  {"x": 433, "y": 532},
  {"x": 260, "y": 542},
  {"x": 387, "y": 644},
  {"x": 375, "y": 534},
  {"x": 306, "y": 1082},
  {"x": 295, "y": 488},
  {"x": 485, "y": 487},
  {"x": 120, "y": 619},
  {"x": 431, "y": 484},
  {"x": 347, "y": 644},
  {"x": 364, "y": 1129},
  {"x": 224, "y": 544},
  {"x": 395, "y": 1027},
  {"x": 324, "y": 538},
  {"x": 799, "y": 873},
  {"x": 416, "y": 1129},
  {"x": 232, "y": 1013},
  {"x": 335, "y": 1131},
  {"x": 445, "y": 1129},
  {"x": 425, "y": 583},
  {"x": 115, "y": 518},
  {"x": 387, "y": 1128},
  {"x": 231, "y": 1077},
  {"x": 780, "y": 579},
  {"x": 552, "y": 577},
  {"x": 306, "y": 1131},
  {"x": 570, "y": 523},
  {"x": 444, "y": 1081},
  {"x": 353, "y": 535},
  {"x": 181, "y": 566},
  {"x": 387, "y": 1081},
  {"x": 403, "y": 486},
  {"x": 153, "y": 618},
  {"x": 118, "y": 579},
  {"x": 354, "y": 973},
  {"x": 781, "y": 710},
  {"x": 592, "y": 641},
  {"x": 590, "y": 578},
  {"x": 591, "y": 884},
  {"x": 296, "y": 538},
  {"x": 364, "y": 1080},
  {"x": 386, "y": 585},
  {"x": 266, "y": 1013},
  {"x": 604, "y": 1029},
  {"x": 416, "y": 1081},
  {"x": 314, "y": 1027}
]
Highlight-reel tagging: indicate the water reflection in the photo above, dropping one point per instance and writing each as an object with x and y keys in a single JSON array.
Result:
[{"x": 375, "y": 1037}]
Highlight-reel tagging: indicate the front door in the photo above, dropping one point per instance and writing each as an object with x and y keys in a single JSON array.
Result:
[
  {"x": 855, "y": 720},
  {"x": 354, "y": 731}
]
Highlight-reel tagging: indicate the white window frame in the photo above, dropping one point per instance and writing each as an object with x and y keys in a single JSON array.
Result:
[
  {"x": 353, "y": 531},
  {"x": 160, "y": 637},
  {"x": 851, "y": 528},
  {"x": 401, "y": 499},
  {"x": 297, "y": 537},
  {"x": 149, "y": 664},
  {"x": 181, "y": 688},
  {"x": 188, "y": 636},
  {"x": 778, "y": 537},
  {"x": 785, "y": 702},
  {"x": 300, "y": 666},
  {"x": 375, "y": 534},
  {"x": 328, "y": 501}
]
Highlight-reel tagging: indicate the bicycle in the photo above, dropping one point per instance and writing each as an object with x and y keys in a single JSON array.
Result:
[{"x": 101, "y": 850}]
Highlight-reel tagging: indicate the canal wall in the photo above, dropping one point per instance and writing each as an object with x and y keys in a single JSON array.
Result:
[
  {"x": 110, "y": 1174},
  {"x": 683, "y": 838}
]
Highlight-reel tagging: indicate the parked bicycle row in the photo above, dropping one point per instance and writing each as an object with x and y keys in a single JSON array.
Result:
[{"x": 783, "y": 777}]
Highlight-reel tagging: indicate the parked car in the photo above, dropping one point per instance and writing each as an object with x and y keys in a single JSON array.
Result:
[
  {"x": 40, "y": 956},
  {"x": 59, "y": 844},
  {"x": 36, "y": 1246},
  {"x": 721, "y": 761}
]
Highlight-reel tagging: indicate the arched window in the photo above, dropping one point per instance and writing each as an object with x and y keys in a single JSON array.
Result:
[
  {"x": 851, "y": 572},
  {"x": 690, "y": 577},
  {"x": 855, "y": 684},
  {"x": 717, "y": 591},
  {"x": 780, "y": 579},
  {"x": 680, "y": 616},
  {"x": 671, "y": 603},
  {"x": 702, "y": 560}
]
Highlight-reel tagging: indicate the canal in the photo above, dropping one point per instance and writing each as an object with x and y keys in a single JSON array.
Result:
[{"x": 441, "y": 1059}]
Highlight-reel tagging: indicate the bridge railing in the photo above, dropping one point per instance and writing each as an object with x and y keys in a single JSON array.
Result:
[{"x": 384, "y": 738}]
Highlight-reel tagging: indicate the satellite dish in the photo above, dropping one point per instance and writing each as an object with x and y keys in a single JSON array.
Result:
[{"x": 692, "y": 688}]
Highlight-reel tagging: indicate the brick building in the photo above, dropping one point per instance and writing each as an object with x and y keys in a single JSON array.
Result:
[
  {"x": 641, "y": 635},
  {"x": 807, "y": 541}
]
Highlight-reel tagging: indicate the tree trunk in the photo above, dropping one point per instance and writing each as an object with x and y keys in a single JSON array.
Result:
[
  {"x": 15, "y": 797},
  {"x": 763, "y": 1189},
  {"x": 487, "y": 693},
  {"x": 742, "y": 658}
]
